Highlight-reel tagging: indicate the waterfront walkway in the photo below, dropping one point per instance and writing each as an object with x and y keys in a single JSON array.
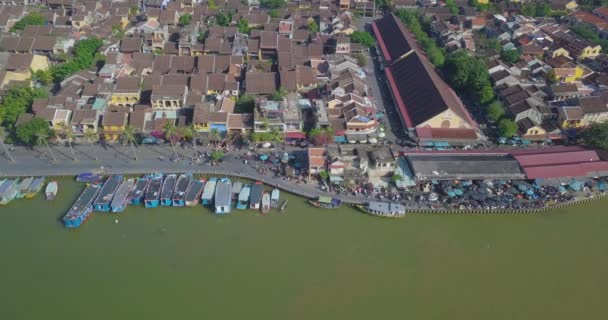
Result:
[{"x": 117, "y": 159}]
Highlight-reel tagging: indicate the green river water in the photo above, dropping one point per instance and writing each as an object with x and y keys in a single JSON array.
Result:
[{"x": 185, "y": 263}]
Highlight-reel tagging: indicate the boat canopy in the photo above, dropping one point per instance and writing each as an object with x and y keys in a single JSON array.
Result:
[{"x": 325, "y": 200}]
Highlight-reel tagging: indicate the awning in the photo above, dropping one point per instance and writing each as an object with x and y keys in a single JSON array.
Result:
[
  {"x": 294, "y": 135},
  {"x": 335, "y": 179}
]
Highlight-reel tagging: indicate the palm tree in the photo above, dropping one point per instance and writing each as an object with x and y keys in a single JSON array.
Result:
[
  {"x": 68, "y": 134},
  {"x": 92, "y": 137},
  {"x": 191, "y": 133},
  {"x": 214, "y": 135},
  {"x": 170, "y": 132},
  {"x": 2, "y": 135},
  {"x": 130, "y": 136},
  {"x": 42, "y": 137}
]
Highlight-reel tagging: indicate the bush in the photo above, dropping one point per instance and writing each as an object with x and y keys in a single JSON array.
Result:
[
  {"x": 507, "y": 128},
  {"x": 273, "y": 4},
  {"x": 31, "y": 19},
  {"x": 511, "y": 55},
  {"x": 185, "y": 19},
  {"x": 495, "y": 111},
  {"x": 363, "y": 37}
]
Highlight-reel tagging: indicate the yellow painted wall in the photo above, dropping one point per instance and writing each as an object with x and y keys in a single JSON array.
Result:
[
  {"x": 122, "y": 98},
  {"x": 455, "y": 120},
  {"x": 561, "y": 52},
  {"x": 535, "y": 131},
  {"x": 591, "y": 52},
  {"x": 578, "y": 73}
]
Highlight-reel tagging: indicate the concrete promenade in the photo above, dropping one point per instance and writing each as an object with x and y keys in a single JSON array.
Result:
[{"x": 118, "y": 159}]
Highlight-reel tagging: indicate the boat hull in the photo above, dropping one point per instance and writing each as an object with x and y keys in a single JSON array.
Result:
[{"x": 152, "y": 203}]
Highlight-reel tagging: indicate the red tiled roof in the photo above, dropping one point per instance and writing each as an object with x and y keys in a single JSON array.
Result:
[{"x": 569, "y": 163}]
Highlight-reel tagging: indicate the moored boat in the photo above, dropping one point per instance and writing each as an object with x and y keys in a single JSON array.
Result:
[
  {"x": 236, "y": 189},
  {"x": 166, "y": 192},
  {"x": 50, "y": 192},
  {"x": 102, "y": 203},
  {"x": 274, "y": 198},
  {"x": 265, "y": 203},
  {"x": 82, "y": 207},
  {"x": 182, "y": 185},
  {"x": 89, "y": 177},
  {"x": 194, "y": 193},
  {"x": 136, "y": 194},
  {"x": 243, "y": 200},
  {"x": 255, "y": 199},
  {"x": 119, "y": 203},
  {"x": 8, "y": 190},
  {"x": 208, "y": 191},
  {"x": 223, "y": 196},
  {"x": 24, "y": 185},
  {"x": 35, "y": 187},
  {"x": 284, "y": 205},
  {"x": 384, "y": 209},
  {"x": 326, "y": 203},
  {"x": 152, "y": 197}
]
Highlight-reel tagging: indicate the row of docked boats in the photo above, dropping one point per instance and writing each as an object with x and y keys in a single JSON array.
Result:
[
  {"x": 28, "y": 188},
  {"x": 116, "y": 193}
]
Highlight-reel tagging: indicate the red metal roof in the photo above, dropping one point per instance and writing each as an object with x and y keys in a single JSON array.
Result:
[{"x": 557, "y": 158}]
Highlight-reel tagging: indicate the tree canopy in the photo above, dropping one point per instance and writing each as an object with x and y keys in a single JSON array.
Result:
[
  {"x": 28, "y": 132},
  {"x": 217, "y": 155},
  {"x": 17, "y": 101},
  {"x": 507, "y": 128},
  {"x": 596, "y": 136},
  {"x": 279, "y": 95},
  {"x": 223, "y": 19},
  {"x": 321, "y": 137},
  {"x": 495, "y": 111},
  {"x": 31, "y": 19},
  {"x": 243, "y": 25},
  {"x": 245, "y": 104},
  {"x": 84, "y": 56},
  {"x": 511, "y": 55},
  {"x": 362, "y": 37},
  {"x": 470, "y": 75},
  {"x": 185, "y": 19},
  {"x": 417, "y": 25},
  {"x": 313, "y": 27},
  {"x": 273, "y": 4},
  {"x": 452, "y": 6}
]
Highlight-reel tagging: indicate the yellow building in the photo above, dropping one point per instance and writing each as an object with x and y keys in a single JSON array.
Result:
[
  {"x": 127, "y": 92},
  {"x": 113, "y": 124},
  {"x": 584, "y": 112}
]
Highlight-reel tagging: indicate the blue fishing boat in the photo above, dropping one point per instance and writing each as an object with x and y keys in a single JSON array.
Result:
[
  {"x": 136, "y": 195},
  {"x": 82, "y": 207},
  {"x": 243, "y": 200},
  {"x": 182, "y": 185},
  {"x": 255, "y": 200},
  {"x": 8, "y": 190},
  {"x": 209, "y": 191},
  {"x": 89, "y": 177},
  {"x": 166, "y": 192},
  {"x": 119, "y": 203},
  {"x": 152, "y": 197},
  {"x": 223, "y": 196},
  {"x": 193, "y": 194},
  {"x": 102, "y": 203}
]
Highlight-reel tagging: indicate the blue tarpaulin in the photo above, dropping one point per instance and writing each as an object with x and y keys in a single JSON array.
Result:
[
  {"x": 441, "y": 144},
  {"x": 340, "y": 139},
  {"x": 263, "y": 157}
]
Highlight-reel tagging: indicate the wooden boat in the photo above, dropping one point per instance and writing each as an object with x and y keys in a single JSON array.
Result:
[
  {"x": 121, "y": 198},
  {"x": 102, "y": 203},
  {"x": 181, "y": 186},
  {"x": 326, "y": 203},
  {"x": 23, "y": 187},
  {"x": 8, "y": 190},
  {"x": 50, "y": 192},
  {"x": 136, "y": 194},
  {"x": 208, "y": 191},
  {"x": 265, "y": 203},
  {"x": 223, "y": 196},
  {"x": 274, "y": 198},
  {"x": 166, "y": 192},
  {"x": 82, "y": 207},
  {"x": 194, "y": 193},
  {"x": 236, "y": 189},
  {"x": 255, "y": 199},
  {"x": 152, "y": 196},
  {"x": 383, "y": 209},
  {"x": 284, "y": 205},
  {"x": 243, "y": 200},
  {"x": 35, "y": 187}
]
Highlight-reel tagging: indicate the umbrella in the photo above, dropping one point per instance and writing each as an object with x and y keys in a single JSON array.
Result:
[
  {"x": 451, "y": 194},
  {"x": 521, "y": 187},
  {"x": 263, "y": 157},
  {"x": 266, "y": 145},
  {"x": 458, "y": 192}
]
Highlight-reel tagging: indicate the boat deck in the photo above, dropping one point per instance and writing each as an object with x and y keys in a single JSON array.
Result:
[
  {"x": 36, "y": 185},
  {"x": 168, "y": 187},
  {"x": 194, "y": 191},
  {"x": 153, "y": 191},
  {"x": 183, "y": 182},
  {"x": 84, "y": 201},
  {"x": 139, "y": 189},
  {"x": 209, "y": 189},
  {"x": 256, "y": 194},
  {"x": 122, "y": 193},
  {"x": 108, "y": 190}
]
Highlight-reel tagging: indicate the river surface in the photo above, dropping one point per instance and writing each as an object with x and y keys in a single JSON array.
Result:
[{"x": 185, "y": 263}]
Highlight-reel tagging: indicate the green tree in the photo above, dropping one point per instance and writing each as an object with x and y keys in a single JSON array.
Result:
[
  {"x": 507, "y": 128},
  {"x": 84, "y": 56},
  {"x": 26, "y": 132},
  {"x": 129, "y": 135},
  {"x": 273, "y": 4},
  {"x": 217, "y": 155},
  {"x": 361, "y": 59},
  {"x": 382, "y": 4},
  {"x": 485, "y": 94},
  {"x": 42, "y": 137},
  {"x": 414, "y": 22},
  {"x": 324, "y": 175},
  {"x": 44, "y": 77},
  {"x": 470, "y": 75},
  {"x": 215, "y": 135},
  {"x": 495, "y": 111},
  {"x": 363, "y": 37},
  {"x": 191, "y": 134},
  {"x": 185, "y": 19},
  {"x": 596, "y": 136},
  {"x": 452, "y": 6},
  {"x": 211, "y": 4},
  {"x": 201, "y": 37},
  {"x": 245, "y": 104},
  {"x": 18, "y": 100},
  {"x": 551, "y": 77},
  {"x": 171, "y": 134},
  {"x": 529, "y": 9},
  {"x": 2, "y": 136},
  {"x": 223, "y": 19},
  {"x": 92, "y": 137},
  {"x": 396, "y": 178},
  {"x": 313, "y": 27},
  {"x": 279, "y": 95},
  {"x": 543, "y": 9},
  {"x": 68, "y": 135},
  {"x": 511, "y": 55},
  {"x": 31, "y": 19},
  {"x": 274, "y": 13},
  {"x": 243, "y": 25}
]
